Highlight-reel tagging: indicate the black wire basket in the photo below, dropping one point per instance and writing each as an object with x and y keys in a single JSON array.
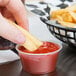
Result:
[{"x": 64, "y": 34}]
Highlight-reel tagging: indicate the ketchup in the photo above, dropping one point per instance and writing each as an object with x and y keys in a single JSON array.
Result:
[{"x": 45, "y": 48}]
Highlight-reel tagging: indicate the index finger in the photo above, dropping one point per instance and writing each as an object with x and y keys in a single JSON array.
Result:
[{"x": 17, "y": 8}]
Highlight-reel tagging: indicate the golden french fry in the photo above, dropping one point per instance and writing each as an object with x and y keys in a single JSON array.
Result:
[
  {"x": 67, "y": 24},
  {"x": 66, "y": 17},
  {"x": 56, "y": 13},
  {"x": 73, "y": 15},
  {"x": 62, "y": 14},
  {"x": 59, "y": 18},
  {"x": 71, "y": 8},
  {"x": 31, "y": 42}
]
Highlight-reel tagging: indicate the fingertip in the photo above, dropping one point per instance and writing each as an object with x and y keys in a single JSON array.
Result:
[{"x": 20, "y": 39}]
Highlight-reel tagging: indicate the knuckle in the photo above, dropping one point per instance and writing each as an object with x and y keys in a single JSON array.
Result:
[{"x": 4, "y": 2}]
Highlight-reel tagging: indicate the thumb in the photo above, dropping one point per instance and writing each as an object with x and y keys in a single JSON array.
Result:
[{"x": 10, "y": 32}]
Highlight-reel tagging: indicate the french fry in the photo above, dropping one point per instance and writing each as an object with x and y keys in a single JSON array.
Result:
[
  {"x": 59, "y": 18},
  {"x": 62, "y": 13},
  {"x": 66, "y": 17},
  {"x": 56, "y": 13},
  {"x": 71, "y": 8},
  {"x": 31, "y": 42},
  {"x": 73, "y": 15},
  {"x": 67, "y": 24}
]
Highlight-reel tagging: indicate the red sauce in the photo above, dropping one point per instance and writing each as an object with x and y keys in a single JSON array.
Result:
[{"x": 45, "y": 48}]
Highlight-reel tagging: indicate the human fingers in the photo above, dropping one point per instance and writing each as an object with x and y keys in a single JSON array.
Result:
[
  {"x": 7, "y": 14},
  {"x": 17, "y": 8},
  {"x": 10, "y": 32}
]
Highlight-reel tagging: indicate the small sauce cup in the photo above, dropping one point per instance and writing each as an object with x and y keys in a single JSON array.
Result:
[{"x": 39, "y": 63}]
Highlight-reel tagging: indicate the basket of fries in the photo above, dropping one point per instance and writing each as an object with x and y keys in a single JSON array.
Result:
[{"x": 62, "y": 24}]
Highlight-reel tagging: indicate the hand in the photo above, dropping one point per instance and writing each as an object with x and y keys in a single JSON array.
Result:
[{"x": 14, "y": 10}]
